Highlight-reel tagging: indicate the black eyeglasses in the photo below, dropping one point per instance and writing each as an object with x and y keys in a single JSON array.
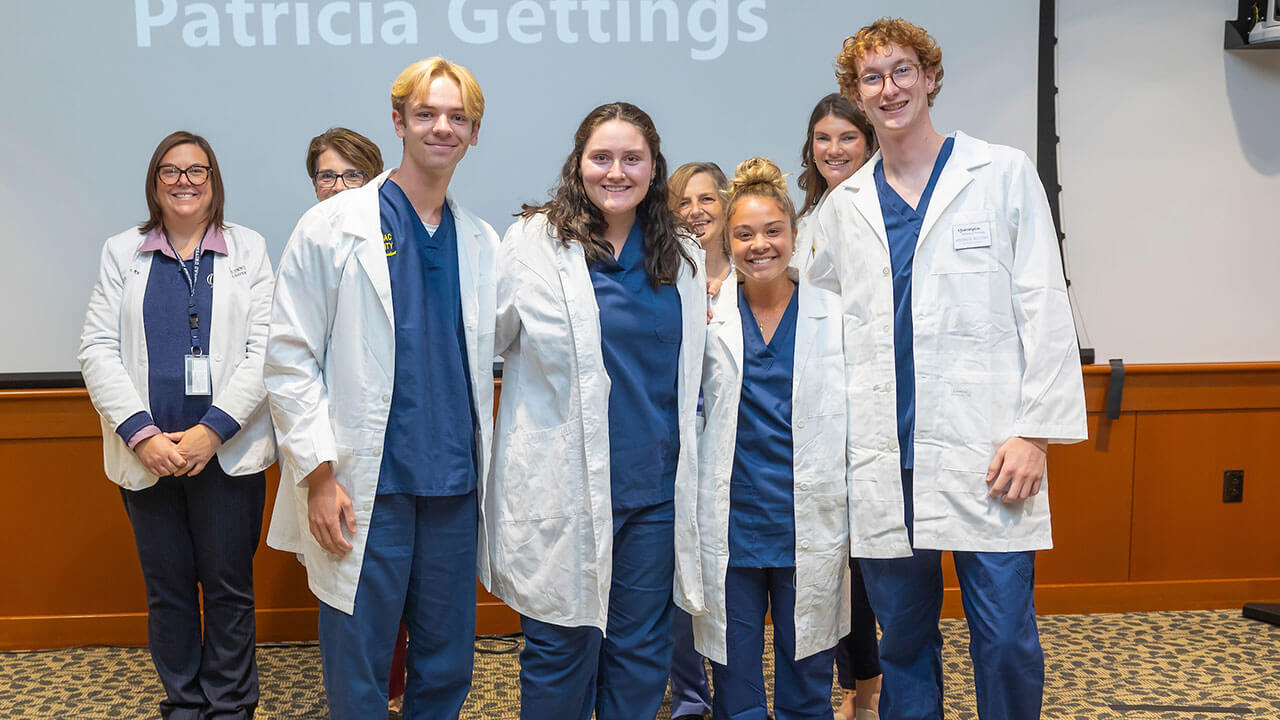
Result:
[
  {"x": 350, "y": 179},
  {"x": 171, "y": 174}
]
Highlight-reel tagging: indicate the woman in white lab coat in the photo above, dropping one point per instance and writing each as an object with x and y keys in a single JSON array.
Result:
[
  {"x": 601, "y": 315},
  {"x": 840, "y": 140},
  {"x": 172, "y": 356},
  {"x": 772, "y": 506}
]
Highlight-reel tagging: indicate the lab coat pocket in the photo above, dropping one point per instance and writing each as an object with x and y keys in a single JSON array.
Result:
[{"x": 539, "y": 487}]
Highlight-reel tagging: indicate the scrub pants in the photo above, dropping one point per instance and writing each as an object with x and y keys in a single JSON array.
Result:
[
  {"x": 201, "y": 531},
  {"x": 801, "y": 688},
  {"x": 690, "y": 693},
  {"x": 568, "y": 672},
  {"x": 420, "y": 565},
  {"x": 858, "y": 654},
  {"x": 1004, "y": 643}
]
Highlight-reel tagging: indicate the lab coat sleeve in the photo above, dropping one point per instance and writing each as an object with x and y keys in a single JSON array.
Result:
[
  {"x": 306, "y": 294},
  {"x": 508, "y": 268},
  {"x": 101, "y": 364},
  {"x": 245, "y": 390},
  {"x": 1051, "y": 400}
]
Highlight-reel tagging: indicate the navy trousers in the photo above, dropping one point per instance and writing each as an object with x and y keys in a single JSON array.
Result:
[
  {"x": 419, "y": 565},
  {"x": 199, "y": 534},
  {"x": 569, "y": 672},
  {"x": 801, "y": 688},
  {"x": 858, "y": 653},
  {"x": 690, "y": 692}
]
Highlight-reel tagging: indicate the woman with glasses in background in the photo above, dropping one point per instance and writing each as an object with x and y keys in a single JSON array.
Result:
[
  {"x": 340, "y": 159},
  {"x": 172, "y": 357}
]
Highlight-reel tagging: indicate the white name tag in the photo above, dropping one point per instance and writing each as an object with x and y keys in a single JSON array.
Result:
[
  {"x": 198, "y": 375},
  {"x": 971, "y": 235}
]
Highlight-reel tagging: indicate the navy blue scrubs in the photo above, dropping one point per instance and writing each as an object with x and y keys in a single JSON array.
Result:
[
  {"x": 762, "y": 540},
  {"x": 568, "y": 672},
  {"x": 906, "y": 593},
  {"x": 420, "y": 555},
  {"x": 196, "y": 535}
]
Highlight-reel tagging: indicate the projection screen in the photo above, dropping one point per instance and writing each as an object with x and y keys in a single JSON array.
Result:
[{"x": 90, "y": 87}]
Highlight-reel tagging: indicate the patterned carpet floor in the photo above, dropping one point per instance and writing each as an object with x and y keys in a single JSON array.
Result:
[{"x": 1203, "y": 665}]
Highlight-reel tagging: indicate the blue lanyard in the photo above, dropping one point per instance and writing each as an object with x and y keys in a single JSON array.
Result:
[{"x": 192, "y": 277}]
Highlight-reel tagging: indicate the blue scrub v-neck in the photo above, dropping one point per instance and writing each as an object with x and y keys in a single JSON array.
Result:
[
  {"x": 902, "y": 224},
  {"x": 762, "y": 528},
  {"x": 640, "y": 335}
]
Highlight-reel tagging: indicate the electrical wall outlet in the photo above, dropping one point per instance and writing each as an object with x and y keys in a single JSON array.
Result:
[{"x": 1233, "y": 486}]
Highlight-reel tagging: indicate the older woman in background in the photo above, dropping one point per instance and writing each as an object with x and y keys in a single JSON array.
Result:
[{"x": 340, "y": 159}]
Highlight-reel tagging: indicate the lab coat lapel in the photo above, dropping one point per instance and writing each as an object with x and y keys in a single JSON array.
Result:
[
  {"x": 726, "y": 322},
  {"x": 866, "y": 200},
  {"x": 806, "y": 332},
  {"x": 469, "y": 272},
  {"x": 363, "y": 222},
  {"x": 965, "y": 156}
]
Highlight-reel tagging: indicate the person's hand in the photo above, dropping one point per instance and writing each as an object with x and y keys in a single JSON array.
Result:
[
  {"x": 713, "y": 286},
  {"x": 1015, "y": 473},
  {"x": 197, "y": 445},
  {"x": 329, "y": 511},
  {"x": 159, "y": 455}
]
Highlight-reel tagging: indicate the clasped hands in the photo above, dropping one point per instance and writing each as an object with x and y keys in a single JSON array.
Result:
[{"x": 185, "y": 452}]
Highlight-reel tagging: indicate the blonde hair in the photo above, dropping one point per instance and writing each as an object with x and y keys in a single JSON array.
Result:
[
  {"x": 878, "y": 36},
  {"x": 414, "y": 80},
  {"x": 762, "y": 178}
]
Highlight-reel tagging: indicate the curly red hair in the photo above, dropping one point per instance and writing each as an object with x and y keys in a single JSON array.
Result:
[{"x": 879, "y": 35}]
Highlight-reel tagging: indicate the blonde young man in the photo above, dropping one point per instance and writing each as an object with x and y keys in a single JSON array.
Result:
[
  {"x": 379, "y": 376},
  {"x": 961, "y": 366}
]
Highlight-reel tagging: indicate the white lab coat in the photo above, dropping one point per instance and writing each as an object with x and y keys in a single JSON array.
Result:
[
  {"x": 330, "y": 367},
  {"x": 548, "y": 494},
  {"x": 113, "y": 350},
  {"x": 818, "y": 437},
  {"x": 994, "y": 343}
]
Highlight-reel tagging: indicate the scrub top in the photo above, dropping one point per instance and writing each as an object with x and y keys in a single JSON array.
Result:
[
  {"x": 902, "y": 224},
  {"x": 640, "y": 334},
  {"x": 430, "y": 444},
  {"x": 762, "y": 528}
]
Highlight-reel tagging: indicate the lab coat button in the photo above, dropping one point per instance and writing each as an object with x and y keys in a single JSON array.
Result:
[
  {"x": 800, "y": 424},
  {"x": 804, "y": 544},
  {"x": 885, "y": 272},
  {"x": 804, "y": 486},
  {"x": 386, "y": 398},
  {"x": 888, "y": 328},
  {"x": 217, "y": 357}
]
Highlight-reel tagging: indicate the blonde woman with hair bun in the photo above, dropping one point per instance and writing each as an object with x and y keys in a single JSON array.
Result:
[{"x": 772, "y": 515}]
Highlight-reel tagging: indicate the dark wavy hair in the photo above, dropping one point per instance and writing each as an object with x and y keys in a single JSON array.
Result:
[
  {"x": 811, "y": 180},
  {"x": 155, "y": 218},
  {"x": 574, "y": 218}
]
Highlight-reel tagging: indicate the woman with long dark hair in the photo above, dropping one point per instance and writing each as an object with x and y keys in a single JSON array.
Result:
[
  {"x": 839, "y": 142},
  {"x": 601, "y": 315}
]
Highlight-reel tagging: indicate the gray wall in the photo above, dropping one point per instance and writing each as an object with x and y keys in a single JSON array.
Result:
[{"x": 1171, "y": 168}]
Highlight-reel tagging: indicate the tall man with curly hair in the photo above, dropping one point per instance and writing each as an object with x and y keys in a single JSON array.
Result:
[{"x": 962, "y": 366}]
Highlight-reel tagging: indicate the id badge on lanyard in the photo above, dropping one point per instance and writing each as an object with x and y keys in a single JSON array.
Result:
[{"x": 197, "y": 374}]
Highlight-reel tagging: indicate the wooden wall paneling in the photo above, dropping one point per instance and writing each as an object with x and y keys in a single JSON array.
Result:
[
  {"x": 1091, "y": 501},
  {"x": 1181, "y": 528}
]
